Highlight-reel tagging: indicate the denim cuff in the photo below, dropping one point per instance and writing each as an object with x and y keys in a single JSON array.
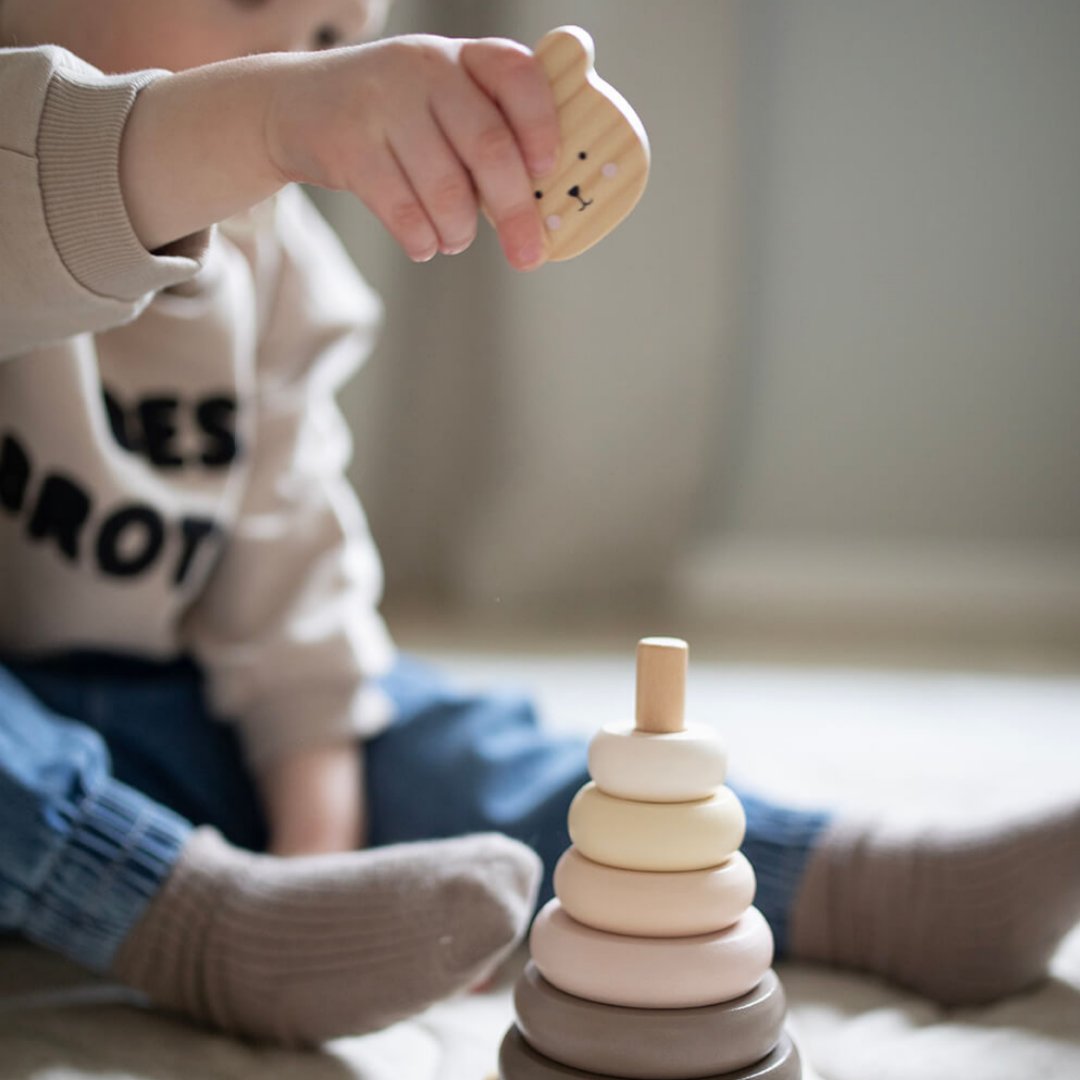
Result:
[
  {"x": 779, "y": 843},
  {"x": 118, "y": 851}
]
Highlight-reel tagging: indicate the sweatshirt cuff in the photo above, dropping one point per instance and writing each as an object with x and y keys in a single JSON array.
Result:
[
  {"x": 82, "y": 124},
  {"x": 316, "y": 718}
]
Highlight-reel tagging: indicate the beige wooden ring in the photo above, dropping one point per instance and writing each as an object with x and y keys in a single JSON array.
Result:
[
  {"x": 677, "y": 766},
  {"x": 650, "y": 973},
  {"x": 653, "y": 1044},
  {"x": 642, "y": 903},
  {"x": 519, "y": 1061},
  {"x": 656, "y": 836}
]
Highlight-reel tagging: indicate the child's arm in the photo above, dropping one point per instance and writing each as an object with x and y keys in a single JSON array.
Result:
[
  {"x": 286, "y": 627},
  {"x": 422, "y": 129},
  {"x": 313, "y": 798}
]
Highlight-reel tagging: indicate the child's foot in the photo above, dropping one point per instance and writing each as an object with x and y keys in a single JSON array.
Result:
[
  {"x": 306, "y": 949},
  {"x": 961, "y": 917}
]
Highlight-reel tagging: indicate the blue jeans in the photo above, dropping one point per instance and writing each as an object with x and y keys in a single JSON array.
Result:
[{"x": 106, "y": 763}]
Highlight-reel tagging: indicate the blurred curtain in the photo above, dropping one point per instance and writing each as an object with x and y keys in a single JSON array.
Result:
[
  {"x": 543, "y": 439},
  {"x": 828, "y": 367}
]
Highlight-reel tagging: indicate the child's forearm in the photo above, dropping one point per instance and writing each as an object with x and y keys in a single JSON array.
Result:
[
  {"x": 422, "y": 129},
  {"x": 194, "y": 150},
  {"x": 314, "y": 799}
]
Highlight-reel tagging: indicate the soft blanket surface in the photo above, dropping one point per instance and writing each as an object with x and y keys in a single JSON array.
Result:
[{"x": 911, "y": 745}]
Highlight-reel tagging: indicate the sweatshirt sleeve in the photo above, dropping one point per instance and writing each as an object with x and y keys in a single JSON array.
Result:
[
  {"x": 70, "y": 261},
  {"x": 287, "y": 628}
]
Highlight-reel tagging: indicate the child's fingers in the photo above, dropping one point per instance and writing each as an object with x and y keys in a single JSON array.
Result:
[
  {"x": 484, "y": 142},
  {"x": 389, "y": 195},
  {"x": 439, "y": 180},
  {"x": 514, "y": 79}
]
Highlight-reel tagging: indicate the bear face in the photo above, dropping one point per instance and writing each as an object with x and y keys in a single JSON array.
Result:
[{"x": 604, "y": 159}]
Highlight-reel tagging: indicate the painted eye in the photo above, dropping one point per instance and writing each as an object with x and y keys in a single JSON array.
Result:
[
  {"x": 326, "y": 37},
  {"x": 538, "y": 194},
  {"x": 582, "y": 155}
]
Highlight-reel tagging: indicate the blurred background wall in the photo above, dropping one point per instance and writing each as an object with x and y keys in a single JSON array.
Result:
[{"x": 828, "y": 372}]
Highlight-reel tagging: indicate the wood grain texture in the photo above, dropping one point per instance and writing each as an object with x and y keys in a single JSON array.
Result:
[
  {"x": 604, "y": 157},
  {"x": 661, "y": 684}
]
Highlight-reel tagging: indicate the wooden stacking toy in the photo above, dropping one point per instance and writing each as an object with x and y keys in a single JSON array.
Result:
[
  {"x": 651, "y": 962},
  {"x": 604, "y": 158}
]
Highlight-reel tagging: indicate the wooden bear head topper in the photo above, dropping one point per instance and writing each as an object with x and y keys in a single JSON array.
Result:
[{"x": 604, "y": 160}]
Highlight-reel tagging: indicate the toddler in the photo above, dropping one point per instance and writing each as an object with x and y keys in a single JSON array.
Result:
[{"x": 202, "y": 718}]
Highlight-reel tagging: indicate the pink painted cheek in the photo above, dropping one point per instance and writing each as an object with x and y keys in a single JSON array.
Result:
[
  {"x": 610, "y": 169},
  {"x": 553, "y": 221}
]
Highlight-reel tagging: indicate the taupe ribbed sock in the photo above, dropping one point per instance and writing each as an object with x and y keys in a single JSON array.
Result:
[
  {"x": 305, "y": 949},
  {"x": 963, "y": 917}
]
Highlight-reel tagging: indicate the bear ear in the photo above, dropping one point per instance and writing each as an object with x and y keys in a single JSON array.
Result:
[{"x": 567, "y": 53}]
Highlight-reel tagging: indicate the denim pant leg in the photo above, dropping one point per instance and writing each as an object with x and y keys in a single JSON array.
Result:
[
  {"x": 81, "y": 854},
  {"x": 160, "y": 733},
  {"x": 453, "y": 763}
]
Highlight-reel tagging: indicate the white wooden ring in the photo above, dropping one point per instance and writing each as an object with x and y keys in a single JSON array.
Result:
[
  {"x": 650, "y": 973},
  {"x": 646, "y": 904},
  {"x": 676, "y": 766},
  {"x": 656, "y": 836}
]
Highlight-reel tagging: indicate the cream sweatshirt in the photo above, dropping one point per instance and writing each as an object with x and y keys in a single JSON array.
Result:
[{"x": 171, "y": 455}]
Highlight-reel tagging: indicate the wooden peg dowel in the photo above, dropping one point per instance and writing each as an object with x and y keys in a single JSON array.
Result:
[{"x": 661, "y": 684}]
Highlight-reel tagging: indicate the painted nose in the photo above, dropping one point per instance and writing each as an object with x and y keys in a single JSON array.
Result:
[{"x": 574, "y": 192}]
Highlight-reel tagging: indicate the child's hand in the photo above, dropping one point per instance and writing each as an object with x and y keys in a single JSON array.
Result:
[
  {"x": 425, "y": 130},
  {"x": 314, "y": 800}
]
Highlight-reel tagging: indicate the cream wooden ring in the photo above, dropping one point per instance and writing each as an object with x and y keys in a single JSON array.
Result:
[
  {"x": 650, "y": 973},
  {"x": 679, "y": 766},
  {"x": 656, "y": 836},
  {"x": 647, "y": 904},
  {"x": 519, "y": 1061},
  {"x": 657, "y": 1044}
]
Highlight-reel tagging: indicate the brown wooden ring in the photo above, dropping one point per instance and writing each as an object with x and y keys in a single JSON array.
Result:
[
  {"x": 519, "y": 1061},
  {"x": 657, "y": 1044}
]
